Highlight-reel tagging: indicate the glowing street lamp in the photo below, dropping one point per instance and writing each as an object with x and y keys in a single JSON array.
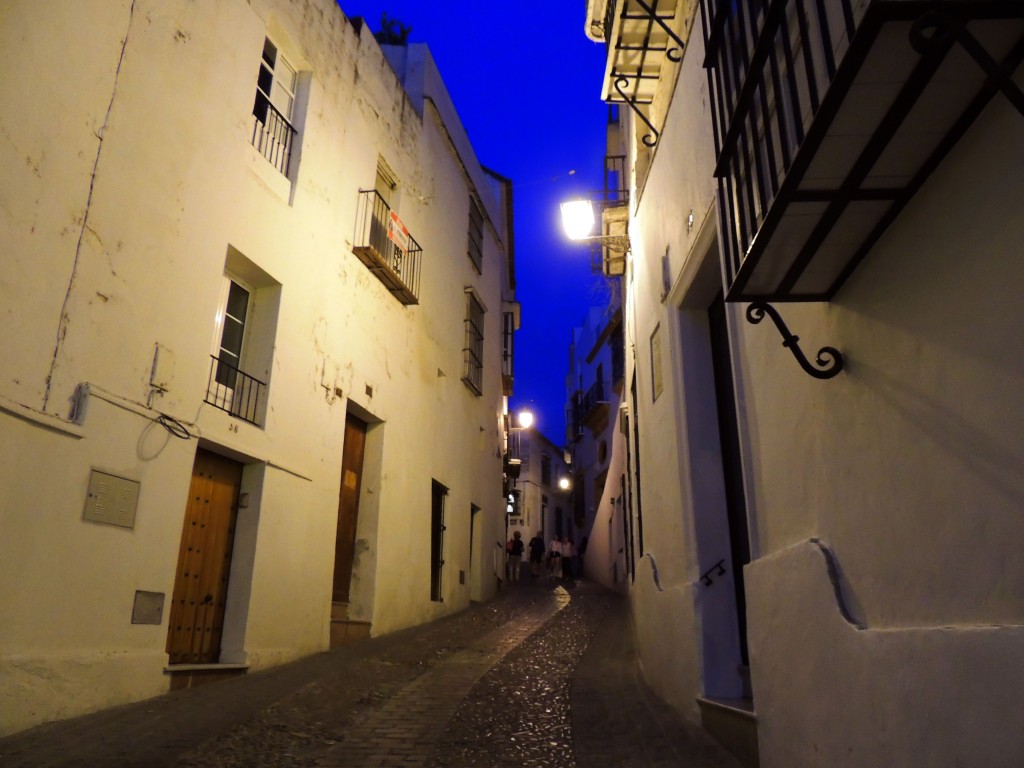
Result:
[
  {"x": 578, "y": 221},
  {"x": 564, "y": 483},
  {"x": 525, "y": 419}
]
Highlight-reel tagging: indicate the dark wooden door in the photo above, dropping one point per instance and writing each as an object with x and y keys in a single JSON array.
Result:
[
  {"x": 348, "y": 505},
  {"x": 204, "y": 561}
]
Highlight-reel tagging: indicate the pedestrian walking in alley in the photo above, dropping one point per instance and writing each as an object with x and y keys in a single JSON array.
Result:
[
  {"x": 555, "y": 559},
  {"x": 536, "y": 554},
  {"x": 515, "y": 557},
  {"x": 568, "y": 553}
]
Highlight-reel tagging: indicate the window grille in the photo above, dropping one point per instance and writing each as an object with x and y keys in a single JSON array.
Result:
[
  {"x": 473, "y": 351},
  {"x": 476, "y": 235}
]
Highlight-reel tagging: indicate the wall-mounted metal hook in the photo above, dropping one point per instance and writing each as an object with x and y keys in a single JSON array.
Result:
[{"x": 829, "y": 359}]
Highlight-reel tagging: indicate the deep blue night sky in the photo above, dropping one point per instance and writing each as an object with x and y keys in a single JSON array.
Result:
[{"x": 527, "y": 84}]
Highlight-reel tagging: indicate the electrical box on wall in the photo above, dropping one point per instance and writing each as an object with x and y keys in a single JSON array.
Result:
[{"x": 111, "y": 500}]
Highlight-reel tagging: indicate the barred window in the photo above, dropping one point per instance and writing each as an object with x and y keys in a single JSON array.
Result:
[
  {"x": 476, "y": 235},
  {"x": 473, "y": 350}
]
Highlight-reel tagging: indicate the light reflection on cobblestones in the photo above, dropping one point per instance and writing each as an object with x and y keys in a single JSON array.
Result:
[{"x": 519, "y": 713}]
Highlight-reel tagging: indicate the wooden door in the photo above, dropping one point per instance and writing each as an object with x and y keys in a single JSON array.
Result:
[
  {"x": 348, "y": 505},
  {"x": 204, "y": 561}
]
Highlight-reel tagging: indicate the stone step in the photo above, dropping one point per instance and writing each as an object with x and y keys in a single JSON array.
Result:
[
  {"x": 194, "y": 675},
  {"x": 733, "y": 724},
  {"x": 346, "y": 631}
]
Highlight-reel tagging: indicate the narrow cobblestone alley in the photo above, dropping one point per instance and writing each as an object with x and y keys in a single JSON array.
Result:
[{"x": 543, "y": 676}]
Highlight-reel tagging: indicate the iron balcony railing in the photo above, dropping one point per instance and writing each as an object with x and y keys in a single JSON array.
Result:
[
  {"x": 234, "y": 391},
  {"x": 574, "y": 417},
  {"x": 769, "y": 65},
  {"x": 272, "y": 134},
  {"x": 386, "y": 248},
  {"x": 609, "y": 21},
  {"x": 829, "y": 116},
  {"x": 616, "y": 183},
  {"x": 594, "y": 397}
]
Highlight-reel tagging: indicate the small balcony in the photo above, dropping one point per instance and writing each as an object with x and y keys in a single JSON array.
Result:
[
  {"x": 234, "y": 391},
  {"x": 387, "y": 249},
  {"x": 594, "y": 407},
  {"x": 616, "y": 181},
  {"x": 272, "y": 134},
  {"x": 829, "y": 115}
]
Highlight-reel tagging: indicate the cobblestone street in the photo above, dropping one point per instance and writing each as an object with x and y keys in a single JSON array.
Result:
[{"x": 543, "y": 676}]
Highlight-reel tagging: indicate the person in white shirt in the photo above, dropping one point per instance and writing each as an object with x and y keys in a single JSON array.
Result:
[
  {"x": 555, "y": 559},
  {"x": 568, "y": 550}
]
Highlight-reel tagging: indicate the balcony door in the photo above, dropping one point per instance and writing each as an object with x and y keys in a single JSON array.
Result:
[{"x": 228, "y": 386}]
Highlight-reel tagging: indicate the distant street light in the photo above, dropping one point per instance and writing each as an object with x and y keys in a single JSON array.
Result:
[
  {"x": 564, "y": 484},
  {"x": 525, "y": 419}
]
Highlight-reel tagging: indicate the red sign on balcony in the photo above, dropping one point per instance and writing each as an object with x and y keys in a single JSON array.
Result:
[{"x": 397, "y": 233}]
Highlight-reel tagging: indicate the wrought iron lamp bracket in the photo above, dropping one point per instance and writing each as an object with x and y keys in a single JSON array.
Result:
[
  {"x": 829, "y": 359},
  {"x": 650, "y": 139},
  {"x": 616, "y": 243},
  {"x": 674, "y": 54}
]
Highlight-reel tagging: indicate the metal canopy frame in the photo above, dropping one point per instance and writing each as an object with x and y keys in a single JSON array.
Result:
[{"x": 936, "y": 28}]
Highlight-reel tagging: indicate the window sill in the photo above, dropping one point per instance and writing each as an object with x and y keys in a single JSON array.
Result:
[{"x": 271, "y": 178}]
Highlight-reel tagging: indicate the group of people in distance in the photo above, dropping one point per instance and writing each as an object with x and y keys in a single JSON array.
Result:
[{"x": 563, "y": 559}]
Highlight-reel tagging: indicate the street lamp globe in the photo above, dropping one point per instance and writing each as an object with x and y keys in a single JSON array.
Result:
[
  {"x": 577, "y": 219},
  {"x": 525, "y": 419}
]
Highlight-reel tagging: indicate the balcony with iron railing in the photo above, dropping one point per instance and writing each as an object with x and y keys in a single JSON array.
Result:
[
  {"x": 616, "y": 181},
  {"x": 272, "y": 134},
  {"x": 387, "y": 249},
  {"x": 642, "y": 37},
  {"x": 594, "y": 407},
  {"x": 232, "y": 390},
  {"x": 829, "y": 115}
]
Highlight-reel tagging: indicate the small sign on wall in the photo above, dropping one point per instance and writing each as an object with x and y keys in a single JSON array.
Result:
[{"x": 111, "y": 500}]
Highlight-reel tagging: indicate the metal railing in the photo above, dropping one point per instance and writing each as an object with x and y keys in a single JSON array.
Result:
[
  {"x": 594, "y": 397},
  {"x": 272, "y": 134},
  {"x": 232, "y": 390},
  {"x": 616, "y": 182},
  {"x": 769, "y": 65},
  {"x": 609, "y": 22},
  {"x": 395, "y": 266}
]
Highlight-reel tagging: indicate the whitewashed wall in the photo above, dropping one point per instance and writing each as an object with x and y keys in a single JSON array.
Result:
[{"x": 114, "y": 247}]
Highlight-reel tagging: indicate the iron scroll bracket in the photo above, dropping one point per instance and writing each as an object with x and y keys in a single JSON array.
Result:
[
  {"x": 650, "y": 139},
  {"x": 829, "y": 359},
  {"x": 674, "y": 53}
]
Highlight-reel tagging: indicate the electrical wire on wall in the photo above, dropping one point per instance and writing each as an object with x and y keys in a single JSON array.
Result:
[{"x": 183, "y": 430}]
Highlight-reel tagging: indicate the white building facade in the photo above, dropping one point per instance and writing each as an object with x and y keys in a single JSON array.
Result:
[
  {"x": 540, "y": 502},
  {"x": 829, "y": 552},
  {"x": 254, "y": 279},
  {"x": 597, "y": 427}
]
